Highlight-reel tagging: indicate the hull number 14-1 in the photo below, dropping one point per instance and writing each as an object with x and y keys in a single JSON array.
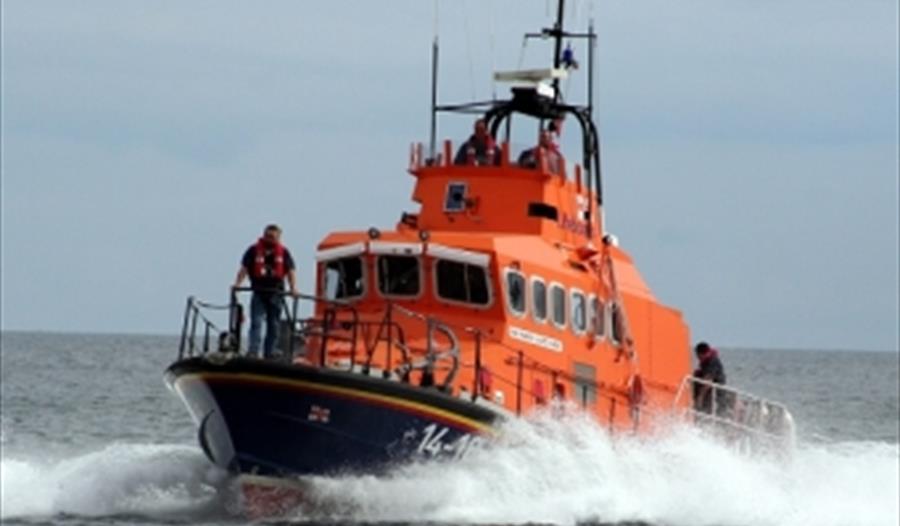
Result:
[{"x": 434, "y": 442}]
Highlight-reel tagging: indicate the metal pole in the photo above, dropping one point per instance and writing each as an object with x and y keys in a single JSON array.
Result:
[
  {"x": 389, "y": 364},
  {"x": 184, "y": 326},
  {"x": 434, "y": 76},
  {"x": 590, "y": 78},
  {"x": 519, "y": 384},
  {"x": 293, "y": 327},
  {"x": 557, "y": 33},
  {"x": 476, "y": 383},
  {"x": 193, "y": 332},
  {"x": 327, "y": 319}
]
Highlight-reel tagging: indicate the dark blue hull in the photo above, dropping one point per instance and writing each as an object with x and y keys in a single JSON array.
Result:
[{"x": 281, "y": 420}]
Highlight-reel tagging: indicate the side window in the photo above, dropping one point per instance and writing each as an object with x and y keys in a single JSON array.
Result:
[
  {"x": 558, "y": 297},
  {"x": 461, "y": 282},
  {"x": 579, "y": 312},
  {"x": 538, "y": 300},
  {"x": 597, "y": 316},
  {"x": 399, "y": 275},
  {"x": 515, "y": 292},
  {"x": 455, "y": 199},
  {"x": 615, "y": 323},
  {"x": 343, "y": 278}
]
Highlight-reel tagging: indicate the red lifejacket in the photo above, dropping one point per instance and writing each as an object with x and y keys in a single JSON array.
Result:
[{"x": 260, "y": 269}]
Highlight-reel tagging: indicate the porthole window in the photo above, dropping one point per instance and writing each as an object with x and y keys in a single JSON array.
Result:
[
  {"x": 343, "y": 278},
  {"x": 515, "y": 292},
  {"x": 538, "y": 300},
  {"x": 579, "y": 312},
  {"x": 597, "y": 316},
  {"x": 615, "y": 323},
  {"x": 399, "y": 276},
  {"x": 462, "y": 282},
  {"x": 558, "y": 297}
]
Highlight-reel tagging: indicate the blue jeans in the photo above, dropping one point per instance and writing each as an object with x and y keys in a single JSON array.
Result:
[{"x": 266, "y": 306}]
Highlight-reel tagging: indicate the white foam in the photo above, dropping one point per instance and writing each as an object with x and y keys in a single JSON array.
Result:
[
  {"x": 118, "y": 479},
  {"x": 567, "y": 472},
  {"x": 542, "y": 470}
]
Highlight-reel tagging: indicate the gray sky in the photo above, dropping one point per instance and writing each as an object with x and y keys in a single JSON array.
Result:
[{"x": 750, "y": 149}]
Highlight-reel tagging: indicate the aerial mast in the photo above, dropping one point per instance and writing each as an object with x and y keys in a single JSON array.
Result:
[{"x": 557, "y": 34}]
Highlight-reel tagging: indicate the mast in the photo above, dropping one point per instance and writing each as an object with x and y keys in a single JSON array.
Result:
[
  {"x": 434, "y": 74},
  {"x": 557, "y": 33}
]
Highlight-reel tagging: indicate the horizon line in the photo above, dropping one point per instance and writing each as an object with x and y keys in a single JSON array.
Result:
[{"x": 730, "y": 347}]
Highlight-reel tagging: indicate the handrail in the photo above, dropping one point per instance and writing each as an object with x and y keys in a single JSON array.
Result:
[
  {"x": 339, "y": 321},
  {"x": 736, "y": 409},
  {"x": 193, "y": 314},
  {"x": 432, "y": 353}
]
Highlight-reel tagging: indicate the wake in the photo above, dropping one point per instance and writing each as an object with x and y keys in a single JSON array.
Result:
[{"x": 541, "y": 470}]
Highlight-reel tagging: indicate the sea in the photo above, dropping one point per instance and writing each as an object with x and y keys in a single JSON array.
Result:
[{"x": 90, "y": 435}]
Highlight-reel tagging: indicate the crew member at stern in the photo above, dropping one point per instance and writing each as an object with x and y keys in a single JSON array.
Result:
[
  {"x": 267, "y": 262},
  {"x": 711, "y": 371}
]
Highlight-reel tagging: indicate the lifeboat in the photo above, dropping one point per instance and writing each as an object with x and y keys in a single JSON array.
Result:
[{"x": 499, "y": 294}]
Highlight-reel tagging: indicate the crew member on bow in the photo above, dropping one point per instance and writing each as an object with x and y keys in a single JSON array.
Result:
[
  {"x": 480, "y": 148},
  {"x": 267, "y": 262}
]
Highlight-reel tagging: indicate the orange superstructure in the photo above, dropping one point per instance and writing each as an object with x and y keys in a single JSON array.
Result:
[{"x": 540, "y": 302}]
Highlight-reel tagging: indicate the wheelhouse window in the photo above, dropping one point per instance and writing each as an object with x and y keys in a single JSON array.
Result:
[
  {"x": 579, "y": 312},
  {"x": 343, "y": 278},
  {"x": 462, "y": 282},
  {"x": 597, "y": 316},
  {"x": 515, "y": 292},
  {"x": 538, "y": 300},
  {"x": 558, "y": 297},
  {"x": 399, "y": 276}
]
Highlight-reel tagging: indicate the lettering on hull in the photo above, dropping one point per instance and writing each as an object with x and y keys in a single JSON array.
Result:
[{"x": 534, "y": 338}]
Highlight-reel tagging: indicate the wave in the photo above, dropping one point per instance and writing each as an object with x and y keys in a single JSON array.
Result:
[
  {"x": 547, "y": 471},
  {"x": 542, "y": 470},
  {"x": 120, "y": 479}
]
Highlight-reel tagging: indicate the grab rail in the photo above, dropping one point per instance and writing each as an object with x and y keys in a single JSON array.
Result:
[
  {"x": 379, "y": 338},
  {"x": 727, "y": 407}
]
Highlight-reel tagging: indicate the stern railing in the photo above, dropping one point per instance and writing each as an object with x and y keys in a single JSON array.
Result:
[{"x": 742, "y": 416}]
